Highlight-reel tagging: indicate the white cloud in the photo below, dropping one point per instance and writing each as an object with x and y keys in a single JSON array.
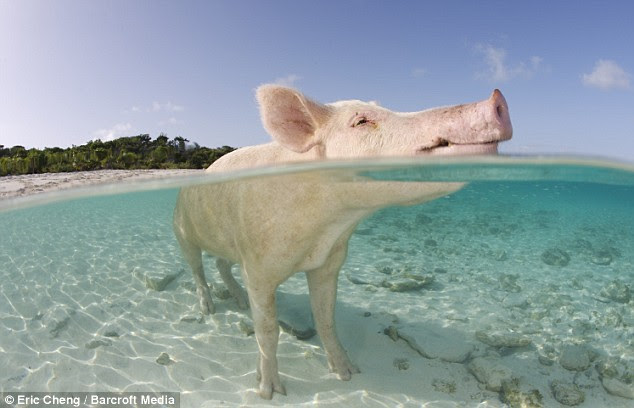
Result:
[
  {"x": 607, "y": 75},
  {"x": 536, "y": 62},
  {"x": 498, "y": 70},
  {"x": 288, "y": 80},
  {"x": 158, "y": 107},
  {"x": 419, "y": 72},
  {"x": 170, "y": 121},
  {"x": 165, "y": 111},
  {"x": 118, "y": 130},
  {"x": 166, "y": 107}
]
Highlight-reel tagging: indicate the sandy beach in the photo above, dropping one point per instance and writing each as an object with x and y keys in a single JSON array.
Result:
[
  {"x": 457, "y": 303},
  {"x": 29, "y": 184}
]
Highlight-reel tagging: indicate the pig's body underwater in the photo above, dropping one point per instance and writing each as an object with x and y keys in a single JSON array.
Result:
[{"x": 277, "y": 226}]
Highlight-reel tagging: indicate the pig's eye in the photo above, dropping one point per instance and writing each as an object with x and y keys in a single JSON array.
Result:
[{"x": 361, "y": 121}]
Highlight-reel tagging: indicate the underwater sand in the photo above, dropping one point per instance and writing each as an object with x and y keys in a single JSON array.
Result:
[{"x": 526, "y": 271}]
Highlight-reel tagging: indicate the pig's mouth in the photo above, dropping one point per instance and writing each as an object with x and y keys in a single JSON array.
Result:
[
  {"x": 445, "y": 147},
  {"x": 484, "y": 124}
]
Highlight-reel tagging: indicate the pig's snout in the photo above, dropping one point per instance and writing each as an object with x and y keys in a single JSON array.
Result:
[
  {"x": 500, "y": 115},
  {"x": 475, "y": 128}
]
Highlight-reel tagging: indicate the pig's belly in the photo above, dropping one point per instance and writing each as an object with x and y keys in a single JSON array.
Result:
[{"x": 311, "y": 250}]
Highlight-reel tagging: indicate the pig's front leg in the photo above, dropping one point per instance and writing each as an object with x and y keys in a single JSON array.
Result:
[
  {"x": 267, "y": 332},
  {"x": 322, "y": 284}
]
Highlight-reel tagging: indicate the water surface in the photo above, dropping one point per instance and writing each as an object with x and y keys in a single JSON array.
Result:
[{"x": 540, "y": 250}]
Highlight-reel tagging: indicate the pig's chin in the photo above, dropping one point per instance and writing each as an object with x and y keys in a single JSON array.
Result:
[{"x": 460, "y": 150}]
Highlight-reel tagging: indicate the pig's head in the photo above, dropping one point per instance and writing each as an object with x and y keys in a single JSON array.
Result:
[{"x": 351, "y": 129}]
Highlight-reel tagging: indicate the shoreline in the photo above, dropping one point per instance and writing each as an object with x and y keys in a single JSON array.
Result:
[{"x": 31, "y": 184}]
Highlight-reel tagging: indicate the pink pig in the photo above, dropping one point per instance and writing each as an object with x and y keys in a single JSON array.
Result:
[{"x": 277, "y": 226}]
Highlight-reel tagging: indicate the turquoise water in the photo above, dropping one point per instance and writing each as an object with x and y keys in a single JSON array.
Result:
[{"x": 535, "y": 251}]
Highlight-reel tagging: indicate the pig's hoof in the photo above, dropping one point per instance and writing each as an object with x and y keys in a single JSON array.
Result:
[
  {"x": 345, "y": 369},
  {"x": 206, "y": 304},
  {"x": 267, "y": 388}
]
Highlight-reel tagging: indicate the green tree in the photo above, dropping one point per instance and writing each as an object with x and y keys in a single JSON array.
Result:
[
  {"x": 199, "y": 159},
  {"x": 20, "y": 165},
  {"x": 36, "y": 161},
  {"x": 162, "y": 139},
  {"x": 5, "y": 166},
  {"x": 127, "y": 152},
  {"x": 159, "y": 155},
  {"x": 127, "y": 159},
  {"x": 18, "y": 151},
  {"x": 99, "y": 154},
  {"x": 181, "y": 143}
]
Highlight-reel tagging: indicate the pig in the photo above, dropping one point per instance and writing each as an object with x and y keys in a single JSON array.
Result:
[{"x": 277, "y": 226}]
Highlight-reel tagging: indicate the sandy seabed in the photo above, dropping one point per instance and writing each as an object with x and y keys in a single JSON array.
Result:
[{"x": 456, "y": 303}]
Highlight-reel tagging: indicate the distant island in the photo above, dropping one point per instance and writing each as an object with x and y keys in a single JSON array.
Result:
[{"x": 135, "y": 152}]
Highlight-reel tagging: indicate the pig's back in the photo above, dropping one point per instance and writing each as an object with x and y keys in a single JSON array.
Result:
[{"x": 263, "y": 155}]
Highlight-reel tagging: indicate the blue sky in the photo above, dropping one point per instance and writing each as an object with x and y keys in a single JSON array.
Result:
[{"x": 72, "y": 71}]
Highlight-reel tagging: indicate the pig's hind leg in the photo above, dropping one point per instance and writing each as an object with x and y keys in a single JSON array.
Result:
[
  {"x": 193, "y": 256},
  {"x": 322, "y": 285},
  {"x": 224, "y": 267}
]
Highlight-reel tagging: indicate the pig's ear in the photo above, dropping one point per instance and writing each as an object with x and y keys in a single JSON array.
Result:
[{"x": 290, "y": 117}]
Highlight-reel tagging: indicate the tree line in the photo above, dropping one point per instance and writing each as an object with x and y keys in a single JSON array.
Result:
[{"x": 135, "y": 152}]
